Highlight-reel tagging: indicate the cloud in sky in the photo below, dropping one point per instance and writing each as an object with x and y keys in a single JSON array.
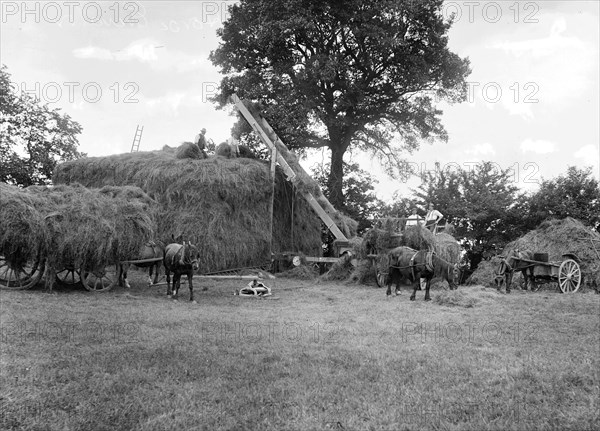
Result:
[
  {"x": 485, "y": 149},
  {"x": 538, "y": 146}
]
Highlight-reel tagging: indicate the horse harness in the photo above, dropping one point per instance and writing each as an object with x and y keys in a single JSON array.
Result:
[{"x": 413, "y": 266}]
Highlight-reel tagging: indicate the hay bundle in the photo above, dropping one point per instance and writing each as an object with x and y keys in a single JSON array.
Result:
[
  {"x": 90, "y": 228},
  {"x": 23, "y": 233},
  {"x": 220, "y": 204},
  {"x": 75, "y": 226},
  {"x": 447, "y": 247},
  {"x": 189, "y": 150}
]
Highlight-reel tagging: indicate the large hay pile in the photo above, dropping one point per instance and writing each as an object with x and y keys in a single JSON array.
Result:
[
  {"x": 74, "y": 226},
  {"x": 221, "y": 204},
  {"x": 556, "y": 237}
]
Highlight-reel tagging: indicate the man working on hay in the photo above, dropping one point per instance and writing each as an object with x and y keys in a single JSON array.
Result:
[
  {"x": 414, "y": 219},
  {"x": 432, "y": 218},
  {"x": 201, "y": 140}
]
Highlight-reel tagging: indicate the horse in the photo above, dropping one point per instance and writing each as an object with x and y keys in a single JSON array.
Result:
[
  {"x": 180, "y": 259},
  {"x": 512, "y": 263},
  {"x": 412, "y": 265},
  {"x": 150, "y": 250}
]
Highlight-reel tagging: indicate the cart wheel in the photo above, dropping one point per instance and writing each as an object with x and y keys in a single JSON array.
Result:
[
  {"x": 379, "y": 276},
  {"x": 100, "y": 280},
  {"x": 569, "y": 276},
  {"x": 20, "y": 276},
  {"x": 68, "y": 276}
]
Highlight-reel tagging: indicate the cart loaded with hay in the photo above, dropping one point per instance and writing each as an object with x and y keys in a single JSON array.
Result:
[
  {"x": 570, "y": 256},
  {"x": 391, "y": 233},
  {"x": 71, "y": 234}
]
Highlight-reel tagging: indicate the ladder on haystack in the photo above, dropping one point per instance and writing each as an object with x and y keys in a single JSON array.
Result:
[
  {"x": 266, "y": 133},
  {"x": 137, "y": 138}
]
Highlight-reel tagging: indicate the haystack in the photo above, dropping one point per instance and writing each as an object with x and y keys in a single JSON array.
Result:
[
  {"x": 554, "y": 237},
  {"x": 222, "y": 205},
  {"x": 74, "y": 226}
]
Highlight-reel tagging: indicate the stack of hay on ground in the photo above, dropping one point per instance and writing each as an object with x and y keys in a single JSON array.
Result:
[
  {"x": 72, "y": 226},
  {"x": 222, "y": 205},
  {"x": 556, "y": 237}
]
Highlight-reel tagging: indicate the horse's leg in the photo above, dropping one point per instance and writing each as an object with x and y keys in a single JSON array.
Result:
[
  {"x": 397, "y": 291},
  {"x": 123, "y": 268},
  {"x": 388, "y": 282},
  {"x": 176, "y": 284},
  {"x": 416, "y": 285},
  {"x": 156, "y": 272},
  {"x": 427, "y": 286},
  {"x": 168, "y": 274},
  {"x": 190, "y": 275},
  {"x": 508, "y": 281}
]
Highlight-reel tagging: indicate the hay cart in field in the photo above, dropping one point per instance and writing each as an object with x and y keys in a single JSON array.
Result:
[
  {"x": 567, "y": 273},
  {"x": 21, "y": 274}
]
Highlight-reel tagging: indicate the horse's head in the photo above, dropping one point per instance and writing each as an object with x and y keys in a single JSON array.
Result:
[{"x": 191, "y": 255}]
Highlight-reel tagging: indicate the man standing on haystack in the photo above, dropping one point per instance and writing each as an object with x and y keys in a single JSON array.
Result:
[
  {"x": 201, "y": 140},
  {"x": 432, "y": 218}
]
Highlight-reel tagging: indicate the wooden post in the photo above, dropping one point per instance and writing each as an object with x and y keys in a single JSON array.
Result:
[{"x": 272, "y": 204}]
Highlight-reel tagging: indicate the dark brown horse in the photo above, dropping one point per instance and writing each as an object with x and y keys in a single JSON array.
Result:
[
  {"x": 512, "y": 263},
  {"x": 151, "y": 251},
  {"x": 180, "y": 259},
  {"x": 412, "y": 266}
]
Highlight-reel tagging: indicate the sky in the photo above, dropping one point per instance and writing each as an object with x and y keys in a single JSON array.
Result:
[{"x": 532, "y": 108}]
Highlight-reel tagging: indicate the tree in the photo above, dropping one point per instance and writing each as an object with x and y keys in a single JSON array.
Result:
[
  {"x": 479, "y": 202},
  {"x": 574, "y": 194},
  {"x": 33, "y": 138},
  {"x": 362, "y": 204},
  {"x": 343, "y": 74}
]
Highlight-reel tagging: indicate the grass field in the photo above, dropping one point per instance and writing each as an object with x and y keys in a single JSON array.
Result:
[{"x": 313, "y": 356}]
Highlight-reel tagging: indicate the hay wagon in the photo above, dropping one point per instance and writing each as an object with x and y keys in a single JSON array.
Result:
[
  {"x": 567, "y": 273},
  {"x": 21, "y": 274}
]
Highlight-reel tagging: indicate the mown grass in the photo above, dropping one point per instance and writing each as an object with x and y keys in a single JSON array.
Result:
[{"x": 313, "y": 356}]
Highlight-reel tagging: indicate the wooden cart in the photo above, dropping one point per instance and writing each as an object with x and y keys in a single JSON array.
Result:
[{"x": 567, "y": 273}]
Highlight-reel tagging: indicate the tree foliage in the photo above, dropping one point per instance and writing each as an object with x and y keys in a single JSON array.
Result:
[
  {"x": 33, "y": 137},
  {"x": 574, "y": 194},
  {"x": 479, "y": 202},
  {"x": 343, "y": 74},
  {"x": 359, "y": 188}
]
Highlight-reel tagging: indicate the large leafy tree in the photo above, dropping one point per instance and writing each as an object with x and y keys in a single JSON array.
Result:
[
  {"x": 33, "y": 137},
  {"x": 344, "y": 73},
  {"x": 480, "y": 202},
  {"x": 573, "y": 194}
]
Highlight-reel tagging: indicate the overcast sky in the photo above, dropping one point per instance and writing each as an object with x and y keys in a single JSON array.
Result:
[{"x": 533, "y": 105}]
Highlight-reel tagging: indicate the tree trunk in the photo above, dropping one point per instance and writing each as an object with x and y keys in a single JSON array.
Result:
[{"x": 336, "y": 176}]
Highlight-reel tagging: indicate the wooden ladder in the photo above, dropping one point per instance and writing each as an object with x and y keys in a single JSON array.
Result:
[{"x": 137, "y": 138}]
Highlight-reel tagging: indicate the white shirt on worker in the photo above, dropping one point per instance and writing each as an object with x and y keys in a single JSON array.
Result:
[
  {"x": 414, "y": 220},
  {"x": 433, "y": 215}
]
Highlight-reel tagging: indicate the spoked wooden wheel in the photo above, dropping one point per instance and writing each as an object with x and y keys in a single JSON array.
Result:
[
  {"x": 379, "y": 275},
  {"x": 569, "y": 276},
  {"x": 100, "y": 280},
  {"x": 20, "y": 275},
  {"x": 68, "y": 276}
]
